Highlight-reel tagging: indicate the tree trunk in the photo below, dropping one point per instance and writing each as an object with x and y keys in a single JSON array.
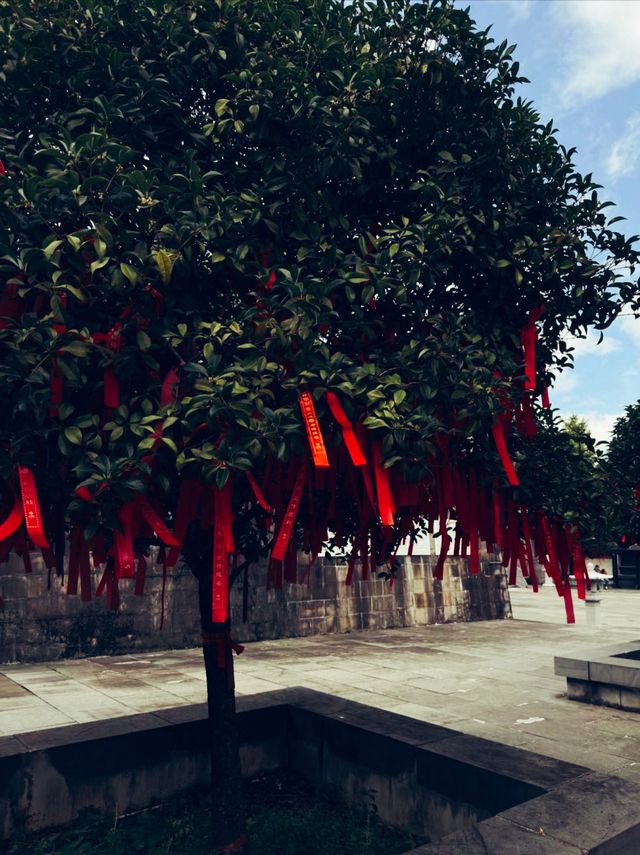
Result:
[{"x": 227, "y": 808}]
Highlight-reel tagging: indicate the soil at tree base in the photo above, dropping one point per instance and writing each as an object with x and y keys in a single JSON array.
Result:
[{"x": 286, "y": 816}]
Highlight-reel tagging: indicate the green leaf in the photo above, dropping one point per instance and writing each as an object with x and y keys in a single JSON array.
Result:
[
  {"x": 76, "y": 348},
  {"x": 50, "y": 248},
  {"x": 165, "y": 261},
  {"x": 74, "y": 435},
  {"x": 99, "y": 263},
  {"x": 143, "y": 340},
  {"x": 130, "y": 272},
  {"x": 78, "y": 293},
  {"x": 221, "y": 106},
  {"x": 170, "y": 444}
]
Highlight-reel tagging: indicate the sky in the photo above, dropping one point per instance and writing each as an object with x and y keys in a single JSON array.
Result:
[{"x": 583, "y": 60}]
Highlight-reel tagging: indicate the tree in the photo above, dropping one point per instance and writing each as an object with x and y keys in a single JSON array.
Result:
[
  {"x": 561, "y": 470},
  {"x": 623, "y": 472},
  {"x": 274, "y": 272}
]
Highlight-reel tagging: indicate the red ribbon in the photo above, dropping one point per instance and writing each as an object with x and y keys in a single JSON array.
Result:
[
  {"x": 123, "y": 544},
  {"x": 526, "y": 533},
  {"x": 224, "y": 645},
  {"x": 154, "y": 521},
  {"x": 386, "y": 507},
  {"x": 222, "y": 546},
  {"x": 579, "y": 568},
  {"x": 497, "y": 515},
  {"x": 257, "y": 492},
  {"x": 169, "y": 387},
  {"x": 528, "y": 337},
  {"x": 546, "y": 403},
  {"x": 188, "y": 500},
  {"x": 348, "y": 435},
  {"x": 314, "y": 434},
  {"x": 113, "y": 341},
  {"x": 286, "y": 527},
  {"x": 141, "y": 574},
  {"x": 79, "y": 564},
  {"x": 552, "y": 566},
  {"x": 12, "y": 523},
  {"x": 31, "y": 507},
  {"x": 501, "y": 447}
]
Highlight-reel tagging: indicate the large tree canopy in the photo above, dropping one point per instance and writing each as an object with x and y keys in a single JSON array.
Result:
[
  {"x": 208, "y": 210},
  {"x": 274, "y": 273}
]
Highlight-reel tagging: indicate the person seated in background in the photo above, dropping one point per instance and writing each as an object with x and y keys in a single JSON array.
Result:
[{"x": 598, "y": 575}]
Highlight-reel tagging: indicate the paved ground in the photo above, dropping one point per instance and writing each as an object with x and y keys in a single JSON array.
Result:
[{"x": 493, "y": 679}]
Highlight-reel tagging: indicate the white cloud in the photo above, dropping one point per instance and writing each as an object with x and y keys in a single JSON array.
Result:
[
  {"x": 565, "y": 383},
  {"x": 600, "y": 424},
  {"x": 520, "y": 9},
  {"x": 629, "y": 326},
  {"x": 599, "y": 41},
  {"x": 625, "y": 152},
  {"x": 589, "y": 345}
]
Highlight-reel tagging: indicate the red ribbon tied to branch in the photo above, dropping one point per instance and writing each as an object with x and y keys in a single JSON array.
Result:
[
  {"x": 348, "y": 436},
  {"x": 113, "y": 341},
  {"x": 222, "y": 546},
  {"x": 123, "y": 544},
  {"x": 386, "y": 506},
  {"x": 286, "y": 528},
  {"x": 503, "y": 453},
  {"x": 153, "y": 520},
  {"x": 314, "y": 434},
  {"x": 528, "y": 337},
  {"x": 31, "y": 507},
  {"x": 13, "y": 520}
]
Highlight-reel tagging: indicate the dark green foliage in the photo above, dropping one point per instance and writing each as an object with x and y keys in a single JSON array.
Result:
[
  {"x": 623, "y": 473},
  {"x": 95, "y": 633},
  {"x": 286, "y": 818},
  {"x": 561, "y": 470},
  {"x": 164, "y": 159}
]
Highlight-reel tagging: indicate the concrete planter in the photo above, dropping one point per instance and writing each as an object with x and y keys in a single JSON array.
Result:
[{"x": 471, "y": 795}]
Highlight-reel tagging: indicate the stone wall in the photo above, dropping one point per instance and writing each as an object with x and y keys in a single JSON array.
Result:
[{"x": 40, "y": 622}]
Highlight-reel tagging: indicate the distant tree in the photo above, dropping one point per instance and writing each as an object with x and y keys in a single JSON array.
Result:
[
  {"x": 272, "y": 270},
  {"x": 561, "y": 471},
  {"x": 623, "y": 473},
  {"x": 578, "y": 429}
]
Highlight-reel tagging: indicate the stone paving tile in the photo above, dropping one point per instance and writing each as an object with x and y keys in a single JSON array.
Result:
[
  {"x": 34, "y": 718},
  {"x": 21, "y": 702},
  {"x": 11, "y": 689},
  {"x": 98, "y": 713},
  {"x": 480, "y": 678},
  {"x": 250, "y": 684},
  {"x": 442, "y": 716}
]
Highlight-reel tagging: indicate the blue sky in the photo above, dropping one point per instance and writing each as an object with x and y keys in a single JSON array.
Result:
[{"x": 583, "y": 60}]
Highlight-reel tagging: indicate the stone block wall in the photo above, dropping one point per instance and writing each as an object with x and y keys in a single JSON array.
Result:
[{"x": 39, "y": 622}]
